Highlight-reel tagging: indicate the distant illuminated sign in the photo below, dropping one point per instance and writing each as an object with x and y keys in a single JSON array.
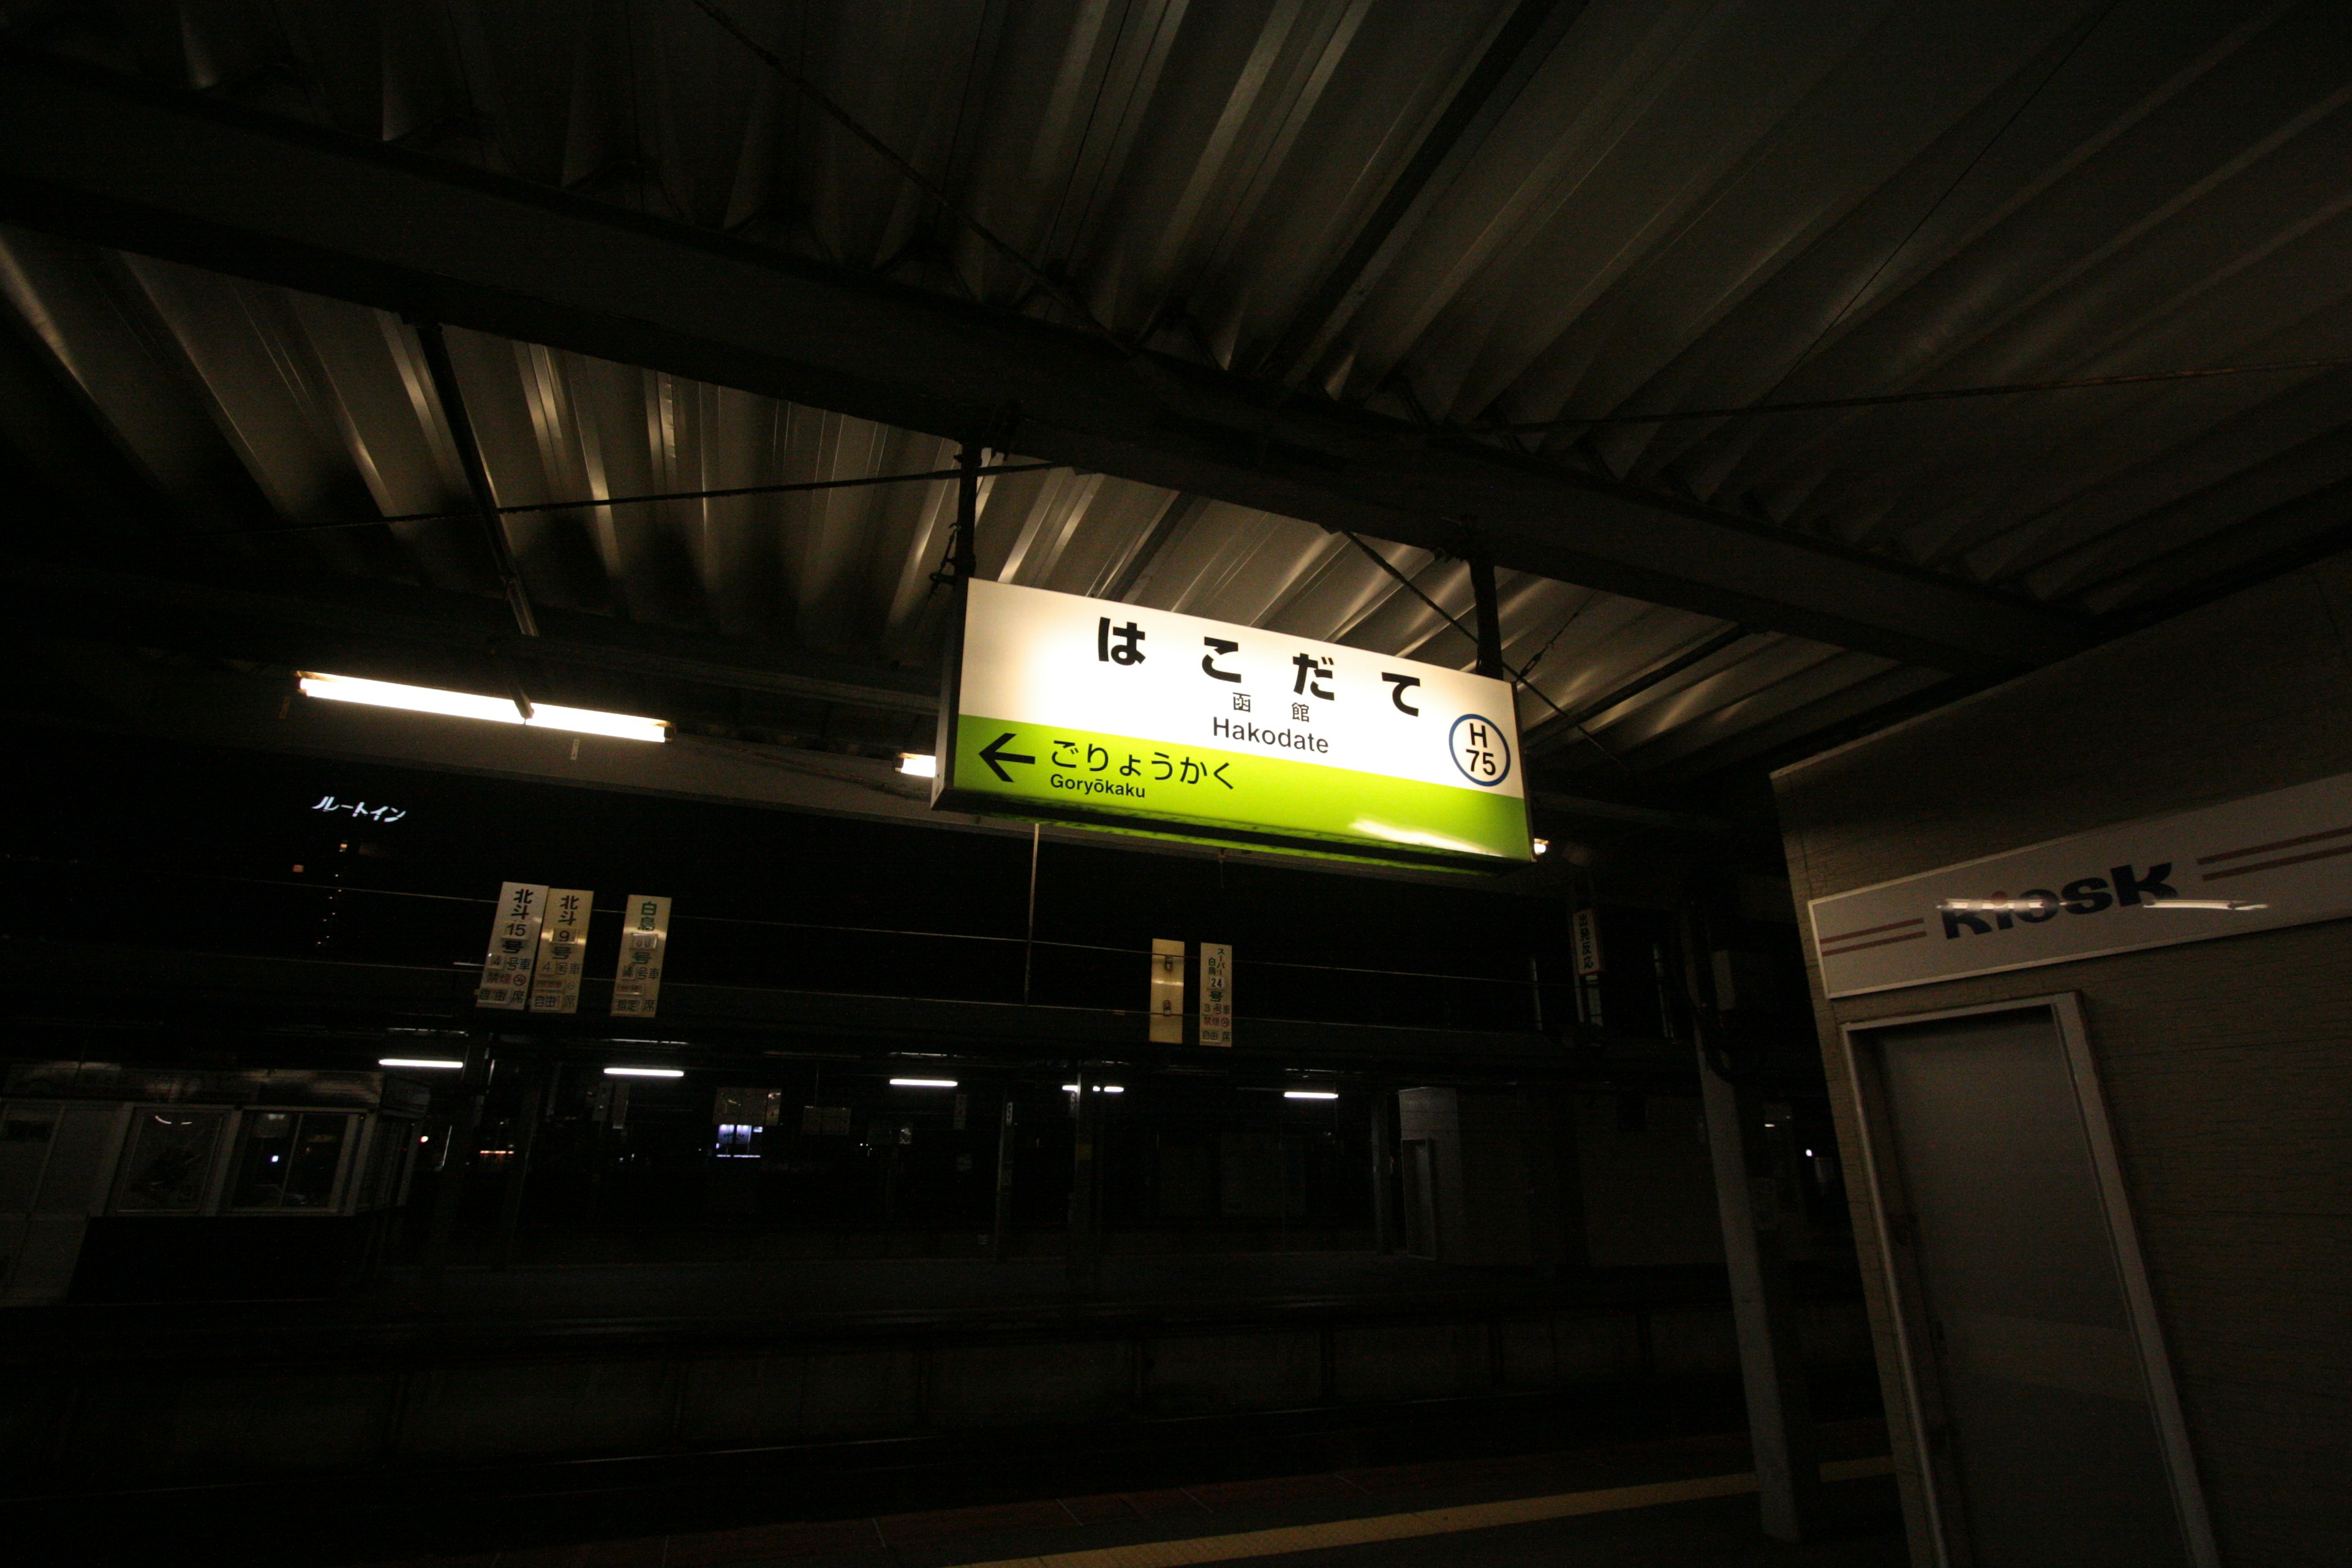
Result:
[
  {"x": 387, "y": 815},
  {"x": 1144, "y": 720}
]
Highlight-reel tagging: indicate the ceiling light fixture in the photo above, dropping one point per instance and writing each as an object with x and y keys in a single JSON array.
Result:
[
  {"x": 1309, "y": 1094},
  {"x": 471, "y": 705},
  {"x": 437, "y": 1064},
  {"x": 923, "y": 1083},
  {"x": 645, "y": 1072},
  {"x": 919, "y": 764}
]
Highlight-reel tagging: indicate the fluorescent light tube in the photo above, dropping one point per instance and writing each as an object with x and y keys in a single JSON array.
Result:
[
  {"x": 471, "y": 705},
  {"x": 645, "y": 1072},
  {"x": 589, "y": 722},
  {"x": 437, "y": 1063},
  {"x": 919, "y": 764},
  {"x": 923, "y": 1083},
  {"x": 1100, "y": 1089},
  {"x": 1309, "y": 1094}
]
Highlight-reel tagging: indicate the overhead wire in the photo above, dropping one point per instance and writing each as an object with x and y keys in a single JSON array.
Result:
[
  {"x": 1519, "y": 675},
  {"x": 1958, "y": 180},
  {"x": 233, "y": 880},
  {"x": 1061, "y": 292},
  {"x": 1941, "y": 395},
  {"x": 589, "y": 504},
  {"x": 1864, "y": 288}
]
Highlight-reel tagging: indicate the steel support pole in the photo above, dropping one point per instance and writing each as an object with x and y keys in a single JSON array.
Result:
[
  {"x": 1084, "y": 1262},
  {"x": 1763, "y": 1296},
  {"x": 447, "y": 1190},
  {"x": 1001, "y": 1231},
  {"x": 967, "y": 524},
  {"x": 1029, "y": 942},
  {"x": 1490, "y": 616},
  {"x": 535, "y": 1087}
]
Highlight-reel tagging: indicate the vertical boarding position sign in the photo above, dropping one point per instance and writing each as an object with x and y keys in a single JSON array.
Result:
[
  {"x": 1116, "y": 716},
  {"x": 562, "y": 950},
  {"x": 1586, "y": 930},
  {"x": 1167, "y": 991},
  {"x": 1216, "y": 994},
  {"x": 514, "y": 945},
  {"x": 644, "y": 940}
]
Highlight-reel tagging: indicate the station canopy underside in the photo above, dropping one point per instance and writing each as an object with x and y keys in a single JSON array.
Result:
[{"x": 1264, "y": 278}]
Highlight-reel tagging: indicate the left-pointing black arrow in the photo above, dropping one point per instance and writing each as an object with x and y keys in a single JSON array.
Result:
[{"x": 996, "y": 756}]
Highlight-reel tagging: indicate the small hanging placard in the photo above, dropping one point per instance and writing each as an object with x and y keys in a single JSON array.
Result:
[
  {"x": 514, "y": 946},
  {"x": 1167, "y": 991},
  {"x": 1585, "y": 935},
  {"x": 562, "y": 950},
  {"x": 645, "y": 943},
  {"x": 1216, "y": 994}
]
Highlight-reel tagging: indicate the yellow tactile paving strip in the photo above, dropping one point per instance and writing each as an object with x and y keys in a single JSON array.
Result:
[{"x": 1405, "y": 1526}]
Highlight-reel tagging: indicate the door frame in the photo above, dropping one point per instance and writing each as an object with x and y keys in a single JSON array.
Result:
[{"x": 1899, "y": 1263}]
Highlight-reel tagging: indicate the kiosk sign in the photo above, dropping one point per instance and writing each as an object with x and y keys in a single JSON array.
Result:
[
  {"x": 1083, "y": 710},
  {"x": 2282, "y": 859}
]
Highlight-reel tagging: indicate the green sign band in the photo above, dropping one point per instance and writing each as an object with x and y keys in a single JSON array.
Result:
[{"x": 1030, "y": 769}]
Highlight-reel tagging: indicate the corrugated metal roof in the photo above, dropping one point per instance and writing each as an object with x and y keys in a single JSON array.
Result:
[{"x": 1662, "y": 206}]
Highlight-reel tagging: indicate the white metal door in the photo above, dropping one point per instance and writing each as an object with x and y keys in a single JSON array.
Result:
[{"x": 2035, "y": 1358}]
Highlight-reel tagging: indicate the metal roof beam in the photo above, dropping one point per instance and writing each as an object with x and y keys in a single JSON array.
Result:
[
  {"x": 1520, "y": 45},
  {"x": 1552, "y": 733},
  {"x": 312, "y": 622},
  {"x": 171, "y": 173}
]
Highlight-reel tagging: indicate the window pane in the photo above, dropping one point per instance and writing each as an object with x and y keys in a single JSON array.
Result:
[
  {"x": 384, "y": 1153},
  {"x": 24, "y": 1147},
  {"x": 318, "y": 1149},
  {"x": 263, "y": 1163},
  {"x": 171, "y": 1153}
]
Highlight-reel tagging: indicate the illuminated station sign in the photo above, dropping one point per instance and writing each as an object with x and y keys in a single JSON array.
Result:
[{"x": 1084, "y": 710}]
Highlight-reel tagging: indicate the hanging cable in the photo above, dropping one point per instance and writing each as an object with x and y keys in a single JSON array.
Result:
[
  {"x": 2081, "y": 37},
  {"x": 1519, "y": 677},
  {"x": 1814, "y": 405},
  {"x": 732, "y": 490},
  {"x": 1062, "y": 292}
]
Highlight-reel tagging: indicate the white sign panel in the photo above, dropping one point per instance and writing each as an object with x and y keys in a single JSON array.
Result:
[
  {"x": 1087, "y": 709},
  {"x": 514, "y": 945},
  {"x": 2278, "y": 859},
  {"x": 1216, "y": 994},
  {"x": 645, "y": 943},
  {"x": 562, "y": 950},
  {"x": 1167, "y": 991}
]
